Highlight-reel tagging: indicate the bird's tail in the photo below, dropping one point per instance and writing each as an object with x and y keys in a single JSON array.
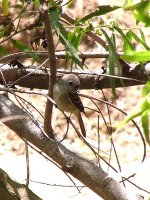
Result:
[{"x": 83, "y": 131}]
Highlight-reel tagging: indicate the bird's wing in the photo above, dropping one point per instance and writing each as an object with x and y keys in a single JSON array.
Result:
[{"x": 75, "y": 99}]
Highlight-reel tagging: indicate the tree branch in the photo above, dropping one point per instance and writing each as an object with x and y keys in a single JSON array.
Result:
[
  {"x": 59, "y": 55},
  {"x": 90, "y": 79},
  {"x": 52, "y": 67},
  {"x": 79, "y": 167},
  {"x": 11, "y": 190}
]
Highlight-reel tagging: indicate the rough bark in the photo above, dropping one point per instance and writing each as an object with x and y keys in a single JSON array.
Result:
[
  {"x": 90, "y": 79},
  {"x": 81, "y": 168},
  {"x": 12, "y": 190}
]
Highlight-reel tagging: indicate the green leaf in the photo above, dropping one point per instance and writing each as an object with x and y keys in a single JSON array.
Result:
[
  {"x": 70, "y": 49},
  {"x": 146, "y": 89},
  {"x": 3, "y": 50},
  {"x": 20, "y": 45},
  {"x": 54, "y": 16},
  {"x": 63, "y": 31},
  {"x": 101, "y": 10},
  {"x": 141, "y": 5},
  {"x": 132, "y": 34},
  {"x": 135, "y": 113},
  {"x": 136, "y": 56},
  {"x": 76, "y": 36},
  {"x": 145, "y": 108},
  {"x": 128, "y": 3},
  {"x": 112, "y": 66},
  {"x": 128, "y": 45},
  {"x": 145, "y": 125},
  {"x": 143, "y": 16},
  {"x": 5, "y": 7},
  {"x": 36, "y": 2},
  {"x": 142, "y": 35},
  {"x": 113, "y": 61}
]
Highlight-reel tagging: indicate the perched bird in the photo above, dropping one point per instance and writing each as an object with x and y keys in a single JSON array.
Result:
[{"x": 66, "y": 96}]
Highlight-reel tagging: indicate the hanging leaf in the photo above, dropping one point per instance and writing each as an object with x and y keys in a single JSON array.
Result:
[
  {"x": 127, "y": 44},
  {"x": 76, "y": 36},
  {"x": 71, "y": 50},
  {"x": 146, "y": 89},
  {"x": 3, "y": 50},
  {"x": 128, "y": 3},
  {"x": 142, "y": 35},
  {"x": 143, "y": 111},
  {"x": 20, "y": 45},
  {"x": 101, "y": 10},
  {"x": 135, "y": 113},
  {"x": 5, "y": 7},
  {"x": 54, "y": 16},
  {"x": 139, "y": 40},
  {"x": 145, "y": 125},
  {"x": 141, "y": 11},
  {"x": 135, "y": 56},
  {"x": 113, "y": 61},
  {"x": 145, "y": 108},
  {"x": 63, "y": 31}
]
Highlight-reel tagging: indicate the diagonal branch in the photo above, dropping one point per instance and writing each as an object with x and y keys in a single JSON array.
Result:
[{"x": 79, "y": 167}]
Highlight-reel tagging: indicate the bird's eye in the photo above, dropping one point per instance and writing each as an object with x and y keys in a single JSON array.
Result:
[{"x": 70, "y": 83}]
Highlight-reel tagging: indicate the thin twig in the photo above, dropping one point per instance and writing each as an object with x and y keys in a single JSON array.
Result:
[
  {"x": 120, "y": 110},
  {"x": 110, "y": 133},
  {"x": 58, "y": 54},
  {"x": 47, "y": 158},
  {"x": 27, "y": 164}
]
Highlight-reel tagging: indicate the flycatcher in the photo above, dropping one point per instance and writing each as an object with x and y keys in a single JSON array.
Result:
[{"x": 67, "y": 99}]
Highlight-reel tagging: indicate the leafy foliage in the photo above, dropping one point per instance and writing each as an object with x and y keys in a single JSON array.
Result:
[
  {"x": 5, "y": 7},
  {"x": 143, "y": 110},
  {"x": 101, "y": 10},
  {"x": 143, "y": 6}
]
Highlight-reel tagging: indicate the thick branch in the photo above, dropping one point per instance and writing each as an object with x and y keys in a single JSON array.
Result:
[
  {"x": 11, "y": 190},
  {"x": 81, "y": 168},
  {"x": 90, "y": 79}
]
